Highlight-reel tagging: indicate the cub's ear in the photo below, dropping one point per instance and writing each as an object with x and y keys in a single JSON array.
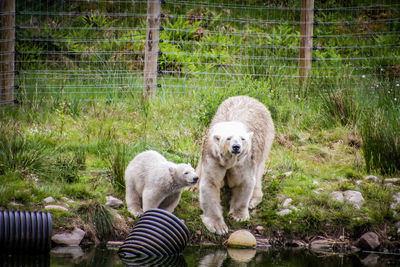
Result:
[
  {"x": 250, "y": 135},
  {"x": 172, "y": 171},
  {"x": 217, "y": 138}
]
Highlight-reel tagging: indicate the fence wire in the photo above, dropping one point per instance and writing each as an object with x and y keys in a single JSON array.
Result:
[{"x": 94, "y": 50}]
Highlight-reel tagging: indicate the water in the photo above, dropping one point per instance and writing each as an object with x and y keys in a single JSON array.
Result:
[{"x": 204, "y": 257}]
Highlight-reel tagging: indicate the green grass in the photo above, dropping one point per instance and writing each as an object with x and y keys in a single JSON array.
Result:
[{"x": 329, "y": 133}]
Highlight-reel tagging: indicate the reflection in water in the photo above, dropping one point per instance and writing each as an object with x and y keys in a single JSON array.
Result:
[{"x": 200, "y": 256}]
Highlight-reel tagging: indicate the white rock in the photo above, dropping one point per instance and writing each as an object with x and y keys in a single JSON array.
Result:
[
  {"x": 286, "y": 203},
  {"x": 241, "y": 238},
  {"x": 338, "y": 196},
  {"x": 396, "y": 202},
  {"x": 66, "y": 199},
  {"x": 72, "y": 239},
  {"x": 354, "y": 197},
  {"x": 287, "y": 174},
  {"x": 372, "y": 178},
  {"x": 55, "y": 207},
  {"x": 284, "y": 212},
  {"x": 114, "y": 202},
  {"x": 315, "y": 183},
  {"x": 49, "y": 200}
]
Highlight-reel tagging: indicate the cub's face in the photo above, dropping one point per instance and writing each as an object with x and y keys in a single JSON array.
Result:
[
  {"x": 234, "y": 144},
  {"x": 185, "y": 175}
]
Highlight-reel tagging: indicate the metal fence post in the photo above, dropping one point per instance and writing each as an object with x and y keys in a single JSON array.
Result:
[
  {"x": 7, "y": 51},
  {"x": 151, "y": 52},
  {"x": 306, "y": 35}
]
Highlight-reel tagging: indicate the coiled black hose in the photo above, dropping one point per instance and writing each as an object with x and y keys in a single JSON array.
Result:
[
  {"x": 25, "y": 231},
  {"x": 157, "y": 233}
]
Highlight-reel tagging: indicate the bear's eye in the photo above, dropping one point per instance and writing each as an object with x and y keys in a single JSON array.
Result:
[
  {"x": 243, "y": 139},
  {"x": 229, "y": 138},
  {"x": 185, "y": 173}
]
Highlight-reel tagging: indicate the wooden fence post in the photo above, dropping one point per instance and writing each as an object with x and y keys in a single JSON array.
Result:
[
  {"x": 306, "y": 35},
  {"x": 151, "y": 52},
  {"x": 7, "y": 51}
]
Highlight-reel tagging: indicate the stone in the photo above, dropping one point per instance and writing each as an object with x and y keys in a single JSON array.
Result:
[
  {"x": 287, "y": 174},
  {"x": 368, "y": 241},
  {"x": 73, "y": 238},
  {"x": 114, "y": 202},
  {"x": 338, "y": 196},
  {"x": 372, "y": 178},
  {"x": 241, "y": 254},
  {"x": 66, "y": 199},
  {"x": 315, "y": 183},
  {"x": 49, "y": 200},
  {"x": 396, "y": 202},
  {"x": 55, "y": 207},
  {"x": 354, "y": 197},
  {"x": 286, "y": 203},
  {"x": 241, "y": 239},
  {"x": 321, "y": 244},
  {"x": 260, "y": 229},
  {"x": 284, "y": 212}
]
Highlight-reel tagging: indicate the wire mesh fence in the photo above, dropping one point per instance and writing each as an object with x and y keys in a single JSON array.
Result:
[{"x": 95, "y": 50}]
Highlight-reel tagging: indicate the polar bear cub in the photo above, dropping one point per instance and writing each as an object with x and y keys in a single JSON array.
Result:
[{"x": 154, "y": 182}]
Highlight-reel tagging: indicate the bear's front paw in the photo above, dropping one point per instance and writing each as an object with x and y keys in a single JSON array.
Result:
[
  {"x": 137, "y": 213},
  {"x": 240, "y": 215},
  {"x": 215, "y": 226}
]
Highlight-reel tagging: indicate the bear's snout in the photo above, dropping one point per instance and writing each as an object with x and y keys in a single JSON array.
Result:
[
  {"x": 195, "y": 179},
  {"x": 236, "y": 149}
]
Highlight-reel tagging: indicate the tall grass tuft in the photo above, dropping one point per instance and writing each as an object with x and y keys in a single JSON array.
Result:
[
  {"x": 380, "y": 130},
  {"x": 117, "y": 161},
  {"x": 19, "y": 155},
  {"x": 99, "y": 216}
]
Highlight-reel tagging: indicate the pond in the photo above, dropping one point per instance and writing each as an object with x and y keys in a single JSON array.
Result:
[{"x": 202, "y": 256}]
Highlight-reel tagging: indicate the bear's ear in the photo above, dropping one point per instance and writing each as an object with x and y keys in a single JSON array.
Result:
[
  {"x": 217, "y": 138},
  {"x": 172, "y": 171}
]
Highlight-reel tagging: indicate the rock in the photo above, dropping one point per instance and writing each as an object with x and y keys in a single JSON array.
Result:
[
  {"x": 74, "y": 252},
  {"x": 66, "y": 199},
  {"x": 286, "y": 203},
  {"x": 321, "y": 244},
  {"x": 372, "y": 178},
  {"x": 315, "y": 183},
  {"x": 284, "y": 212},
  {"x": 396, "y": 202},
  {"x": 368, "y": 241},
  {"x": 241, "y": 254},
  {"x": 114, "y": 202},
  {"x": 72, "y": 239},
  {"x": 353, "y": 197},
  {"x": 55, "y": 207},
  {"x": 392, "y": 180},
  {"x": 338, "y": 196},
  {"x": 260, "y": 229},
  {"x": 49, "y": 200},
  {"x": 295, "y": 243},
  {"x": 241, "y": 238},
  {"x": 287, "y": 174}
]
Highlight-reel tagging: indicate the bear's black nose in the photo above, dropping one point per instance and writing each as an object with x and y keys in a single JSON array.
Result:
[
  {"x": 236, "y": 149},
  {"x": 195, "y": 179}
]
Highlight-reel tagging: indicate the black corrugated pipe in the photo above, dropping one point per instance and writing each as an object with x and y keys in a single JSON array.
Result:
[
  {"x": 25, "y": 231},
  {"x": 157, "y": 233}
]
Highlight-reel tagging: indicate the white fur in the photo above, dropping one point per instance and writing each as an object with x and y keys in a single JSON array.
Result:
[{"x": 153, "y": 182}]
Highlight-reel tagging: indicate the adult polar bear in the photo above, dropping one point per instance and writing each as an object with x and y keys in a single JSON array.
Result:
[{"x": 234, "y": 151}]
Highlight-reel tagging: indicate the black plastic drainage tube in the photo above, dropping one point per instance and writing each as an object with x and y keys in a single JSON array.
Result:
[
  {"x": 25, "y": 231},
  {"x": 157, "y": 233}
]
